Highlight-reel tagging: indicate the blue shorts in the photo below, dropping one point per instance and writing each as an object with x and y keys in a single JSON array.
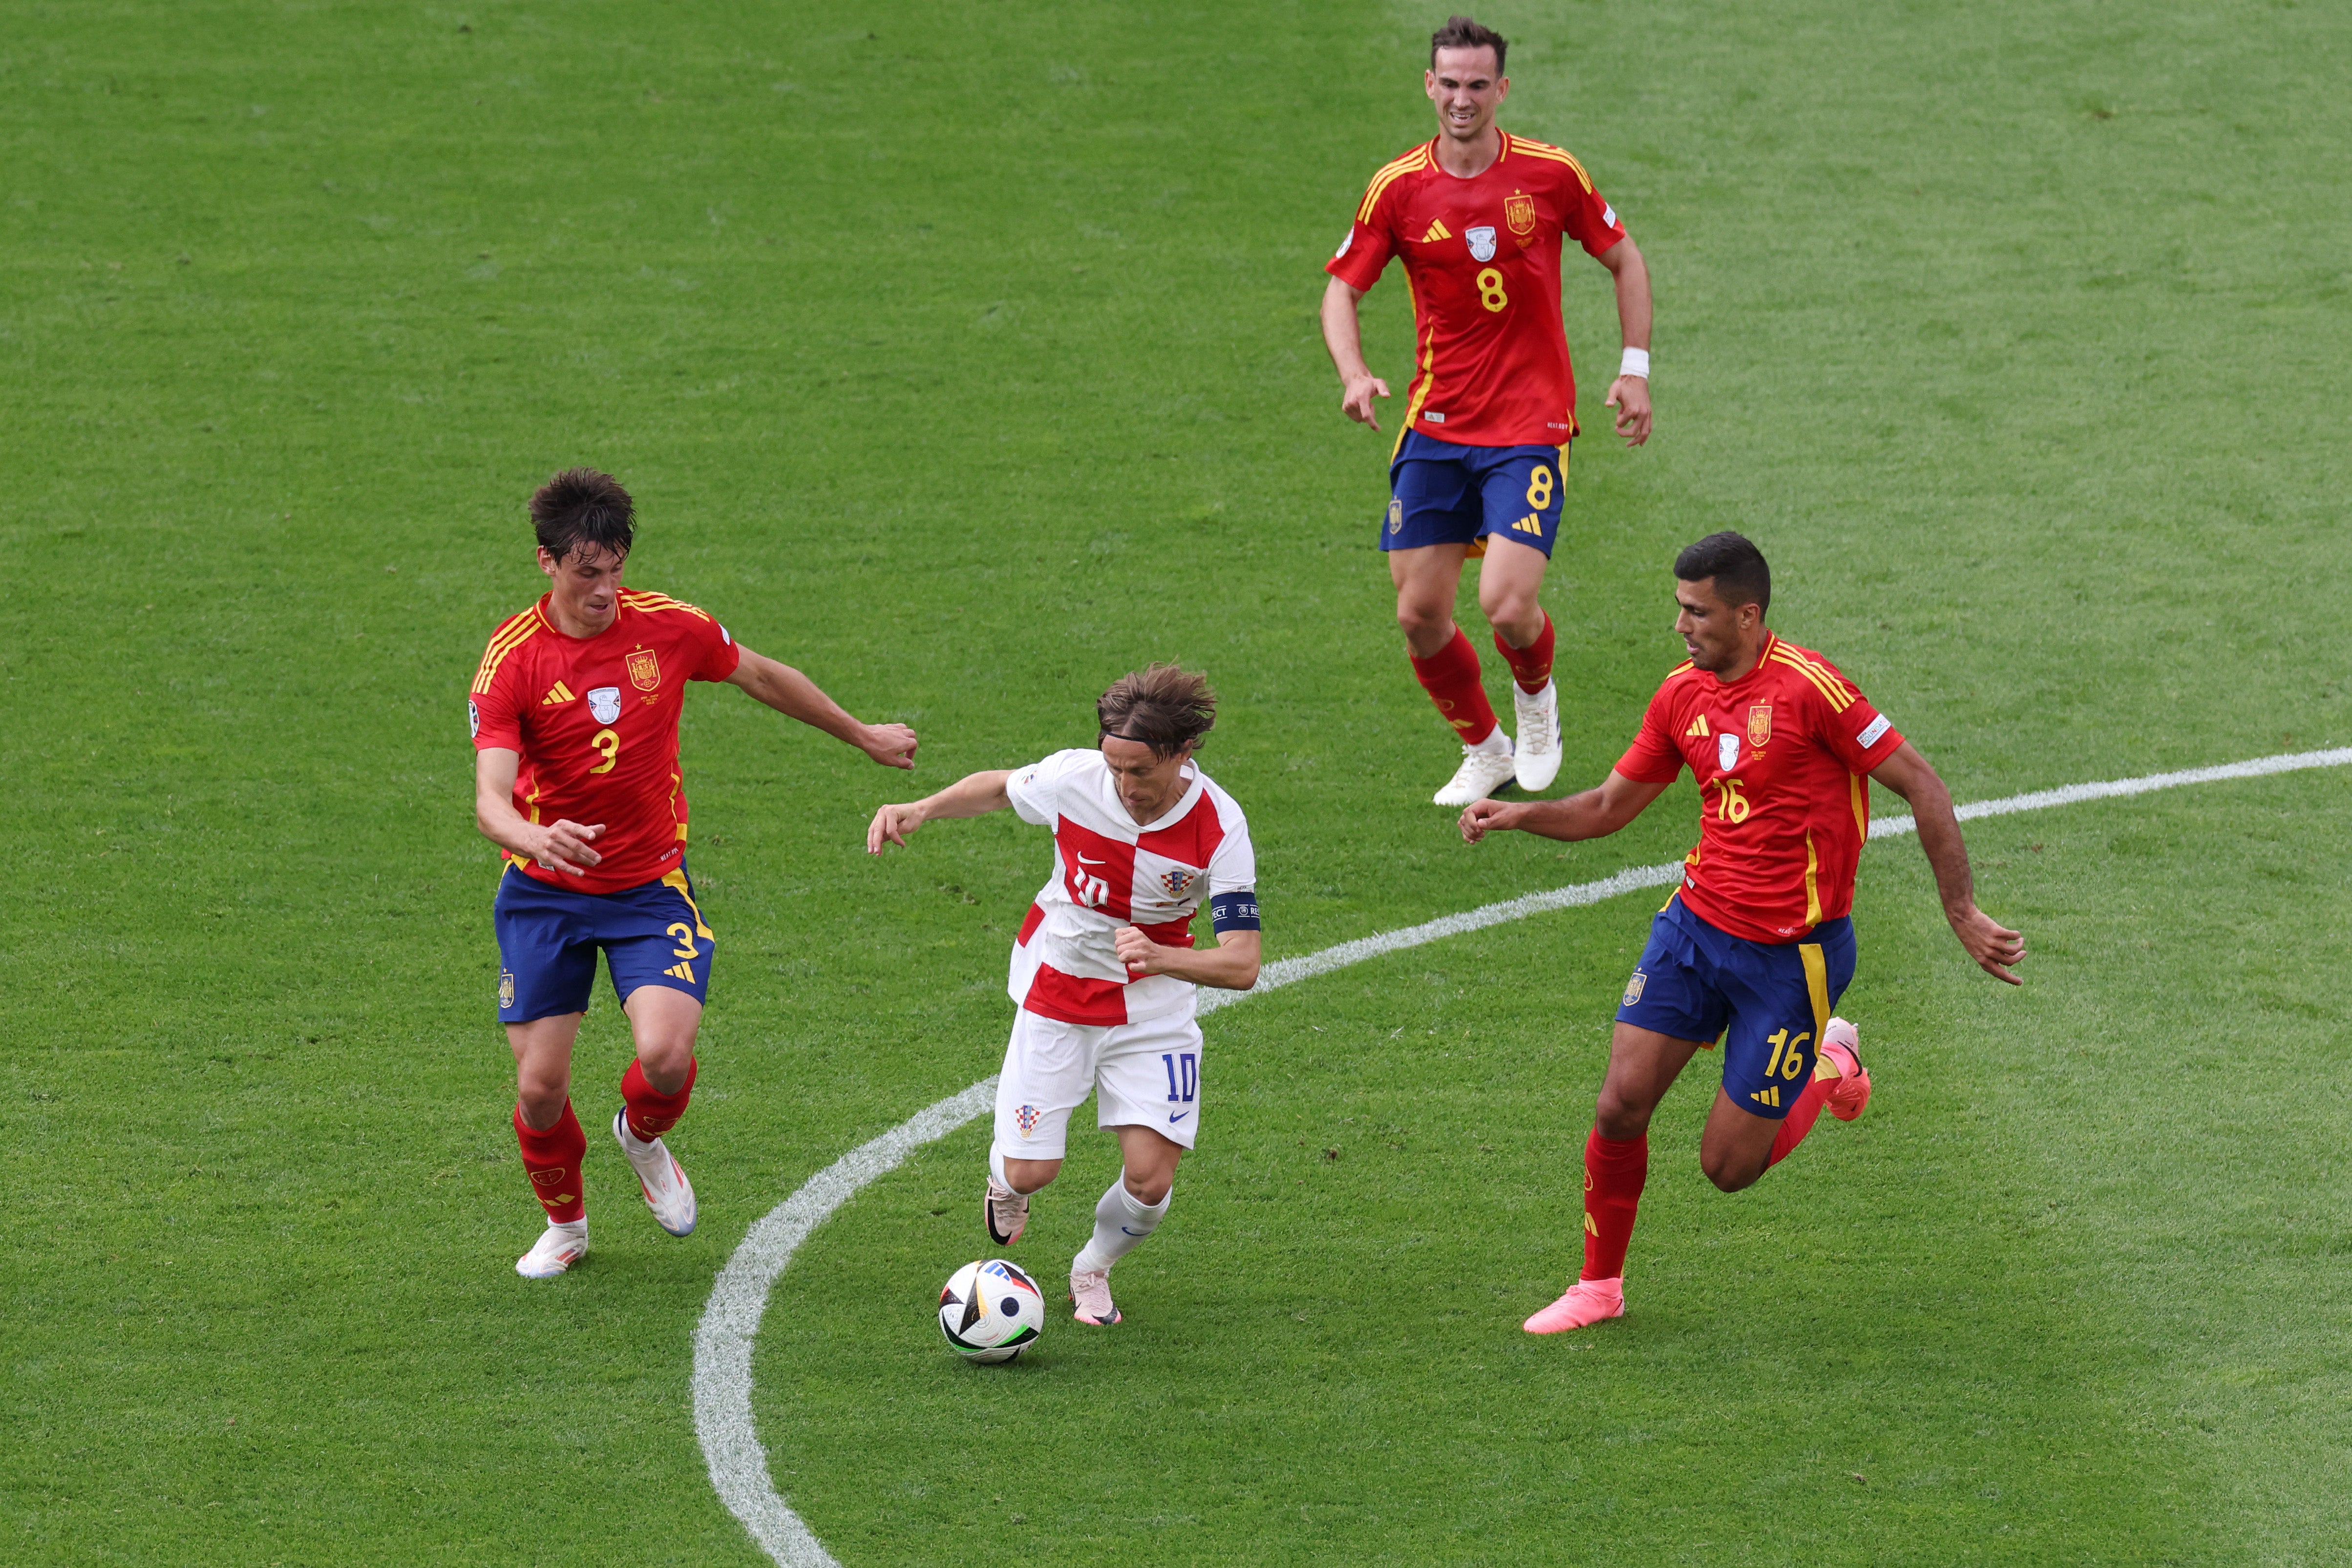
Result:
[
  {"x": 1442, "y": 492},
  {"x": 1694, "y": 980},
  {"x": 548, "y": 938}
]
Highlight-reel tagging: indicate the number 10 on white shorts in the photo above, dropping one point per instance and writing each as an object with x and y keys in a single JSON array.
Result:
[{"x": 1144, "y": 1074}]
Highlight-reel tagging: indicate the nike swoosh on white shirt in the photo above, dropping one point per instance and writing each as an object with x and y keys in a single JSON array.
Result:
[{"x": 1176, "y": 1116}]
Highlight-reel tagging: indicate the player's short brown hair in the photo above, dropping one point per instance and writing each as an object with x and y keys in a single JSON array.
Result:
[
  {"x": 1741, "y": 576},
  {"x": 1166, "y": 707},
  {"x": 581, "y": 508},
  {"x": 1461, "y": 33}
]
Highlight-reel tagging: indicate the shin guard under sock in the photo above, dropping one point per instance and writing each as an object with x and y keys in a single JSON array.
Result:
[
  {"x": 652, "y": 1112},
  {"x": 552, "y": 1157},
  {"x": 1450, "y": 675},
  {"x": 1531, "y": 665},
  {"x": 1121, "y": 1220},
  {"x": 1800, "y": 1119},
  {"x": 1614, "y": 1172}
]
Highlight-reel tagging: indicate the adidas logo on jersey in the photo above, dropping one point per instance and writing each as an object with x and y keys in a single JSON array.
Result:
[
  {"x": 685, "y": 972},
  {"x": 1437, "y": 231},
  {"x": 1698, "y": 729},
  {"x": 1528, "y": 525},
  {"x": 558, "y": 693},
  {"x": 1771, "y": 1097}
]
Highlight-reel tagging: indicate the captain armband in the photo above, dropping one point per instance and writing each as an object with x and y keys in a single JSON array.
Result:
[{"x": 1236, "y": 910}]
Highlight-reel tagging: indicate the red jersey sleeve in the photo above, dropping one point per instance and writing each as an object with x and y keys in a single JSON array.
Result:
[
  {"x": 1371, "y": 239},
  {"x": 493, "y": 709},
  {"x": 716, "y": 653},
  {"x": 1653, "y": 758},
  {"x": 1585, "y": 217},
  {"x": 1859, "y": 735}
]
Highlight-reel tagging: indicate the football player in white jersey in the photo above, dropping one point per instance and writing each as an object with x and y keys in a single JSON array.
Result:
[{"x": 1104, "y": 968}]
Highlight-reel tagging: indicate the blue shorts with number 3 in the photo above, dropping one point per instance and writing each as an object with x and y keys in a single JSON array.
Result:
[
  {"x": 549, "y": 939},
  {"x": 1442, "y": 492},
  {"x": 1769, "y": 1001}
]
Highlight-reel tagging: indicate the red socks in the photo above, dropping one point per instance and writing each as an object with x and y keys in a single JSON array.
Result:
[
  {"x": 1531, "y": 665},
  {"x": 1614, "y": 1171},
  {"x": 553, "y": 1158},
  {"x": 652, "y": 1112},
  {"x": 1799, "y": 1122},
  {"x": 1450, "y": 678}
]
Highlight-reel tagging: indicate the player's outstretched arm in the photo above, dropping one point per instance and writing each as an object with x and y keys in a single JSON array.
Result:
[
  {"x": 974, "y": 794},
  {"x": 1630, "y": 395},
  {"x": 1231, "y": 965},
  {"x": 560, "y": 846},
  {"x": 1993, "y": 945},
  {"x": 791, "y": 694},
  {"x": 1343, "y": 334},
  {"x": 1595, "y": 814}
]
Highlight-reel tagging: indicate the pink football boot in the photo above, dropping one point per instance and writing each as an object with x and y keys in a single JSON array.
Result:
[
  {"x": 1588, "y": 1301},
  {"x": 1847, "y": 1093},
  {"x": 1090, "y": 1293}
]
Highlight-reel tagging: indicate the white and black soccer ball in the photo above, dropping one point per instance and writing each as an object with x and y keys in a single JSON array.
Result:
[{"x": 990, "y": 1311}]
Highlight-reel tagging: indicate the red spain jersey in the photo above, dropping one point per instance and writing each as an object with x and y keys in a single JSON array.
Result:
[
  {"x": 1780, "y": 756},
  {"x": 595, "y": 721},
  {"x": 1481, "y": 260}
]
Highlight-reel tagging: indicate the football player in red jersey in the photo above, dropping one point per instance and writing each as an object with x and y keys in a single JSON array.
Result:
[
  {"x": 1481, "y": 463},
  {"x": 1757, "y": 944},
  {"x": 574, "y": 714}
]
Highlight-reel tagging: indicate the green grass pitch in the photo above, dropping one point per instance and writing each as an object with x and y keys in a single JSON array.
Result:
[{"x": 965, "y": 356}]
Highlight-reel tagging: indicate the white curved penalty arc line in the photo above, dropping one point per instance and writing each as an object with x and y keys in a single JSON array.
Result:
[{"x": 739, "y": 1298}]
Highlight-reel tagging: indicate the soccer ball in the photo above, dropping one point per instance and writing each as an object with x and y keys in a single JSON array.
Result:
[{"x": 990, "y": 1311}]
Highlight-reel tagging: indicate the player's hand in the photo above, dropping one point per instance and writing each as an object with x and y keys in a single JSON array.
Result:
[
  {"x": 892, "y": 746},
  {"x": 1630, "y": 395},
  {"x": 1481, "y": 817},
  {"x": 1993, "y": 945},
  {"x": 1139, "y": 952},
  {"x": 563, "y": 846},
  {"x": 1356, "y": 398},
  {"x": 892, "y": 825}
]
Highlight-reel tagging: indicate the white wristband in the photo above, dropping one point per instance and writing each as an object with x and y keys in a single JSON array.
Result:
[{"x": 1636, "y": 363}]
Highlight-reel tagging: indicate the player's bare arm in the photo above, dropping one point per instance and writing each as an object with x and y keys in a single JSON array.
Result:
[
  {"x": 974, "y": 794},
  {"x": 1993, "y": 945},
  {"x": 795, "y": 695},
  {"x": 1630, "y": 395},
  {"x": 560, "y": 845},
  {"x": 1595, "y": 814},
  {"x": 1231, "y": 965},
  {"x": 1343, "y": 335}
]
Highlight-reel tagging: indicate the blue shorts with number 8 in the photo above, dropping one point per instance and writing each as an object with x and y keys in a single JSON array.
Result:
[
  {"x": 1769, "y": 1001},
  {"x": 1442, "y": 492}
]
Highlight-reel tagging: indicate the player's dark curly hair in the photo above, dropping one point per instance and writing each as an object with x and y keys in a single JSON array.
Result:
[
  {"x": 1166, "y": 707},
  {"x": 581, "y": 508},
  {"x": 1461, "y": 33},
  {"x": 1741, "y": 575}
]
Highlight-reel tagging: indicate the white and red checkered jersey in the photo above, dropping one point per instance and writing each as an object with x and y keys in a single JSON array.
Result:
[{"x": 1112, "y": 871}]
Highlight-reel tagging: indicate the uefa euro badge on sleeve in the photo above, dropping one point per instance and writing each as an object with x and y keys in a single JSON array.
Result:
[
  {"x": 1727, "y": 751},
  {"x": 1482, "y": 242},
  {"x": 645, "y": 670},
  {"x": 605, "y": 703}
]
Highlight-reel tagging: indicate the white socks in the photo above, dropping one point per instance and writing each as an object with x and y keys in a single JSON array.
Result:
[
  {"x": 1121, "y": 1219},
  {"x": 1498, "y": 744}
]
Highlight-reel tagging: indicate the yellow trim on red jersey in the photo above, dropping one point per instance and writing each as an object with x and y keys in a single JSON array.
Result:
[
  {"x": 1812, "y": 886},
  {"x": 1817, "y": 986},
  {"x": 675, "y": 878},
  {"x": 1840, "y": 696},
  {"x": 512, "y": 634},
  {"x": 1388, "y": 175},
  {"x": 647, "y": 601},
  {"x": 1423, "y": 379},
  {"x": 1861, "y": 804},
  {"x": 1545, "y": 149}
]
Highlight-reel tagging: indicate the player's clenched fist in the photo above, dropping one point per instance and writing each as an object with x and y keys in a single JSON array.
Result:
[
  {"x": 1481, "y": 817},
  {"x": 892, "y": 746},
  {"x": 891, "y": 825},
  {"x": 563, "y": 846}
]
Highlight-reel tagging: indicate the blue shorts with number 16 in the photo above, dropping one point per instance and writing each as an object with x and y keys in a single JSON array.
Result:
[
  {"x": 1768, "y": 1001},
  {"x": 1443, "y": 492}
]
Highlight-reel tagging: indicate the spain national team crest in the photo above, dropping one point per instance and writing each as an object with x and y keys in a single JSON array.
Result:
[
  {"x": 645, "y": 670},
  {"x": 1520, "y": 212},
  {"x": 1759, "y": 726},
  {"x": 1396, "y": 516},
  {"x": 1482, "y": 242},
  {"x": 1026, "y": 1119},
  {"x": 1633, "y": 989},
  {"x": 546, "y": 1178},
  {"x": 506, "y": 988}
]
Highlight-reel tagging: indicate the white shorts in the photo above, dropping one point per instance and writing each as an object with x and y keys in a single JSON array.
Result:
[{"x": 1143, "y": 1075}]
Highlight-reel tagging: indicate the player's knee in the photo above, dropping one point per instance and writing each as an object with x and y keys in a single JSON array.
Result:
[
  {"x": 1418, "y": 620},
  {"x": 542, "y": 1101},
  {"x": 1729, "y": 1172},
  {"x": 1030, "y": 1176},
  {"x": 1148, "y": 1188},
  {"x": 1617, "y": 1118},
  {"x": 1515, "y": 613}
]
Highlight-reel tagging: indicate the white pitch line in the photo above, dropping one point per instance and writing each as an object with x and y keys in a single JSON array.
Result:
[{"x": 730, "y": 1321}]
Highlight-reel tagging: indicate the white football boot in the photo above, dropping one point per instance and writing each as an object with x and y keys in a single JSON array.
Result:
[
  {"x": 667, "y": 1191},
  {"x": 1090, "y": 1294},
  {"x": 1480, "y": 775},
  {"x": 558, "y": 1247},
  {"x": 1005, "y": 1212},
  {"x": 1537, "y": 756}
]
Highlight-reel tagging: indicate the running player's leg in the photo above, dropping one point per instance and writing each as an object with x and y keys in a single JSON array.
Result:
[
  {"x": 660, "y": 954},
  {"x": 1431, "y": 528},
  {"x": 1148, "y": 1090},
  {"x": 547, "y": 967},
  {"x": 1049, "y": 1067},
  {"x": 1774, "y": 1085},
  {"x": 1520, "y": 494}
]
